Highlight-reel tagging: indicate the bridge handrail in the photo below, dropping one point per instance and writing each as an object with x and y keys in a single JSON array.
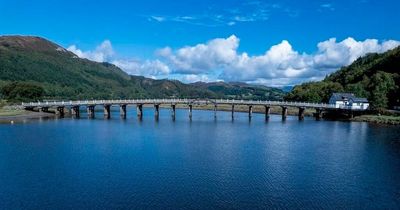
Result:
[{"x": 185, "y": 100}]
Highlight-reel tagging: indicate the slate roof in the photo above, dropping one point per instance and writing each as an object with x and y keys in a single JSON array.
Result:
[
  {"x": 360, "y": 100},
  {"x": 347, "y": 96}
]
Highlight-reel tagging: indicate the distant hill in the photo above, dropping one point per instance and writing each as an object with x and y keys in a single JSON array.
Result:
[
  {"x": 237, "y": 90},
  {"x": 62, "y": 75},
  {"x": 374, "y": 76}
]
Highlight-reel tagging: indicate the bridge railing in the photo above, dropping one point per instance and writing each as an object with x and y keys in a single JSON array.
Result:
[{"x": 183, "y": 101}]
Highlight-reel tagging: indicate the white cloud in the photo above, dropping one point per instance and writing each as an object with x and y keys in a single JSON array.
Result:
[
  {"x": 202, "y": 57},
  {"x": 105, "y": 53},
  {"x": 157, "y": 18},
  {"x": 190, "y": 78},
  {"x": 280, "y": 65},
  {"x": 148, "y": 68},
  {"x": 101, "y": 54},
  {"x": 219, "y": 59}
]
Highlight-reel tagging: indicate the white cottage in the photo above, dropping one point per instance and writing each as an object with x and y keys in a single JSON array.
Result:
[{"x": 348, "y": 101}]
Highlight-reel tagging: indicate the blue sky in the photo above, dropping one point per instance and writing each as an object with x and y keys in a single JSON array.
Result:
[{"x": 269, "y": 42}]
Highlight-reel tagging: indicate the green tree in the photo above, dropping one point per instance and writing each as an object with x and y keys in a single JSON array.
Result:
[
  {"x": 381, "y": 85},
  {"x": 22, "y": 91}
]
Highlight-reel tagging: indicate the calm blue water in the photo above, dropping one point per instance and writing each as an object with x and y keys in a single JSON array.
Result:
[{"x": 203, "y": 164}]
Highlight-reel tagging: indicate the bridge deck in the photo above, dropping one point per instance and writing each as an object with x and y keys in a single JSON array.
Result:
[{"x": 183, "y": 101}]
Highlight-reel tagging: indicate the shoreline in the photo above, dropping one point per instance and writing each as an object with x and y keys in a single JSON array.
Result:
[{"x": 16, "y": 115}]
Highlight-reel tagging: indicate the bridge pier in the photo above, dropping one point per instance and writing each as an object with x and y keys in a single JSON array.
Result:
[
  {"x": 156, "y": 111},
  {"x": 190, "y": 111},
  {"x": 122, "y": 110},
  {"x": 75, "y": 111},
  {"x": 250, "y": 111},
  {"x": 267, "y": 112},
  {"x": 139, "y": 110},
  {"x": 301, "y": 113},
  {"x": 107, "y": 113},
  {"x": 60, "y": 111},
  {"x": 173, "y": 111},
  {"x": 284, "y": 112},
  {"x": 215, "y": 110},
  {"x": 233, "y": 111},
  {"x": 90, "y": 111},
  {"x": 44, "y": 109},
  {"x": 318, "y": 113}
]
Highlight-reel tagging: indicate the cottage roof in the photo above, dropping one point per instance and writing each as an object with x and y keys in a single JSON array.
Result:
[
  {"x": 347, "y": 97},
  {"x": 342, "y": 96},
  {"x": 360, "y": 100}
]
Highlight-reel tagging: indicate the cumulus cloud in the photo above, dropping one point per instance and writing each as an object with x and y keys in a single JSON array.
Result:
[
  {"x": 280, "y": 65},
  {"x": 148, "y": 68},
  {"x": 202, "y": 58},
  {"x": 190, "y": 78},
  {"x": 219, "y": 59},
  {"x": 105, "y": 53},
  {"x": 102, "y": 53}
]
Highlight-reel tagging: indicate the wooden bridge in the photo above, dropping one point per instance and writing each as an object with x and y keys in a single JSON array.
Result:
[{"x": 74, "y": 107}]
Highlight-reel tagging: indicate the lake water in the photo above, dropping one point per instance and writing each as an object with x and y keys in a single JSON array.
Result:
[{"x": 202, "y": 164}]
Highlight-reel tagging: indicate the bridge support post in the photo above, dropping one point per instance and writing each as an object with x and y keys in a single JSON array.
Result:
[
  {"x": 250, "y": 111},
  {"x": 122, "y": 110},
  {"x": 190, "y": 111},
  {"x": 301, "y": 113},
  {"x": 139, "y": 110},
  {"x": 215, "y": 110},
  {"x": 156, "y": 111},
  {"x": 90, "y": 111},
  {"x": 44, "y": 109},
  {"x": 75, "y": 111},
  {"x": 60, "y": 111},
  {"x": 107, "y": 113},
  {"x": 267, "y": 112},
  {"x": 284, "y": 112},
  {"x": 233, "y": 111},
  {"x": 318, "y": 114},
  {"x": 173, "y": 109}
]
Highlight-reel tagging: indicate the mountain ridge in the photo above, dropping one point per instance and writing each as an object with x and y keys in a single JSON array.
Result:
[{"x": 62, "y": 74}]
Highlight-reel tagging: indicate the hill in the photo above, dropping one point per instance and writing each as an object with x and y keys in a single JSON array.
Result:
[
  {"x": 32, "y": 63},
  {"x": 374, "y": 76},
  {"x": 237, "y": 90}
]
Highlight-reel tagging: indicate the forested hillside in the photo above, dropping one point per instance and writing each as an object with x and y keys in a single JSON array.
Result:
[
  {"x": 35, "y": 68},
  {"x": 375, "y": 76}
]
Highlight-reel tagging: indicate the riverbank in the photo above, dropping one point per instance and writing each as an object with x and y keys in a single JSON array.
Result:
[
  {"x": 14, "y": 115},
  {"x": 378, "y": 119},
  {"x": 10, "y": 115}
]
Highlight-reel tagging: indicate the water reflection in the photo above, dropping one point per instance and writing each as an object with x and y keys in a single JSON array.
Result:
[{"x": 198, "y": 163}]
